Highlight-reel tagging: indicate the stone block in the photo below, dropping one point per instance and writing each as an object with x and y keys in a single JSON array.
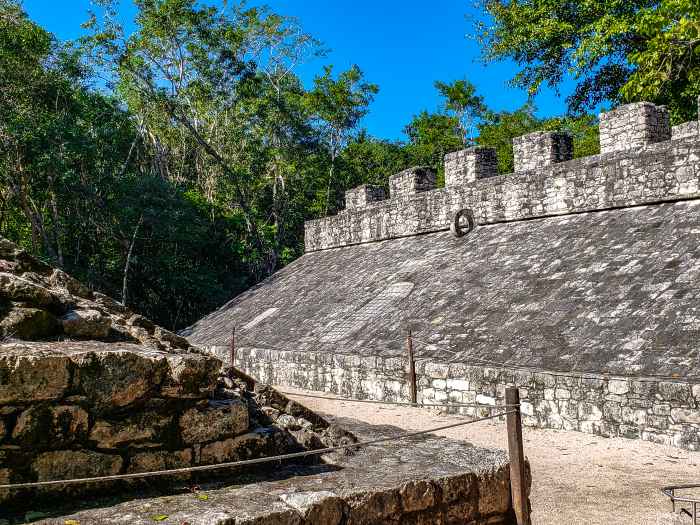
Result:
[
  {"x": 190, "y": 375},
  {"x": 160, "y": 460},
  {"x": 685, "y": 415},
  {"x": 469, "y": 165},
  {"x": 541, "y": 149},
  {"x": 44, "y": 426},
  {"x": 494, "y": 493},
  {"x": 412, "y": 181},
  {"x": 201, "y": 426},
  {"x": 633, "y": 126},
  {"x": 418, "y": 495},
  {"x": 28, "y": 323},
  {"x": 458, "y": 384},
  {"x": 137, "y": 428},
  {"x": 246, "y": 446},
  {"x": 86, "y": 323},
  {"x": 28, "y": 374},
  {"x": 69, "y": 464},
  {"x": 358, "y": 198},
  {"x": 113, "y": 377},
  {"x": 618, "y": 386}
]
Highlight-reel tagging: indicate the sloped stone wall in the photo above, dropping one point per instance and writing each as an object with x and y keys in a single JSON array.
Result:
[{"x": 662, "y": 411}]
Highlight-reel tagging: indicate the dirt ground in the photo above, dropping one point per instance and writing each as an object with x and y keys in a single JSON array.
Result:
[{"x": 577, "y": 478}]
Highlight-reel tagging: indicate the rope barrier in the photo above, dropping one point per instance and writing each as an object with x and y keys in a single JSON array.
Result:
[
  {"x": 398, "y": 403},
  {"x": 233, "y": 464}
]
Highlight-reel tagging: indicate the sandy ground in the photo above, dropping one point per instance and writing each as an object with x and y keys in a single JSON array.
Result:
[{"x": 577, "y": 478}]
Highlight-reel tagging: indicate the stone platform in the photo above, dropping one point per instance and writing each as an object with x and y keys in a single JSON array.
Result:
[{"x": 425, "y": 479}]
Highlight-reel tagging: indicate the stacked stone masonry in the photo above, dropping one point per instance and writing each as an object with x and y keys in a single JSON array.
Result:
[
  {"x": 640, "y": 165},
  {"x": 590, "y": 309},
  {"x": 664, "y": 412},
  {"x": 540, "y": 149},
  {"x": 411, "y": 181}
]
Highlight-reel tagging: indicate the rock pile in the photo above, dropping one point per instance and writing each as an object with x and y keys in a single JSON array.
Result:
[
  {"x": 90, "y": 389},
  {"x": 39, "y": 302}
]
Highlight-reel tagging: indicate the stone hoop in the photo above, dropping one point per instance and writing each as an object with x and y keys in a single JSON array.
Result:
[{"x": 459, "y": 230}]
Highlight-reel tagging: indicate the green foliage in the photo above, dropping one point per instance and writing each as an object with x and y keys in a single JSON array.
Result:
[
  {"x": 462, "y": 101},
  {"x": 498, "y": 130},
  {"x": 667, "y": 67},
  {"x": 430, "y": 137},
  {"x": 616, "y": 50}
]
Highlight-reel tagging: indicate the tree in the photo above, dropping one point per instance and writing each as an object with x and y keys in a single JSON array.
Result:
[
  {"x": 667, "y": 68},
  {"x": 615, "y": 50},
  {"x": 338, "y": 105},
  {"x": 498, "y": 129},
  {"x": 430, "y": 137},
  {"x": 461, "y": 99}
]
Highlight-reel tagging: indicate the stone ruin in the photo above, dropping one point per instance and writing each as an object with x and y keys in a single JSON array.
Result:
[
  {"x": 578, "y": 285},
  {"x": 88, "y": 389}
]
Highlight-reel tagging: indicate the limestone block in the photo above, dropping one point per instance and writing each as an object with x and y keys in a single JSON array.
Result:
[
  {"x": 323, "y": 506},
  {"x": 373, "y": 506},
  {"x": 360, "y": 197},
  {"x": 113, "y": 377},
  {"x": 57, "y": 426},
  {"x": 18, "y": 289},
  {"x": 589, "y": 412},
  {"x": 87, "y": 323},
  {"x": 201, "y": 426},
  {"x": 160, "y": 460},
  {"x": 685, "y": 415},
  {"x": 190, "y": 375},
  {"x": 137, "y": 428},
  {"x": 541, "y": 149},
  {"x": 494, "y": 493},
  {"x": 28, "y": 323},
  {"x": 669, "y": 391},
  {"x": 458, "y": 384},
  {"x": 412, "y": 181},
  {"x": 467, "y": 166},
  {"x": 437, "y": 370},
  {"x": 246, "y": 446},
  {"x": 618, "y": 386},
  {"x": 418, "y": 495},
  {"x": 60, "y": 279},
  {"x": 485, "y": 400},
  {"x": 633, "y": 126},
  {"x": 69, "y": 464},
  {"x": 28, "y": 374}
]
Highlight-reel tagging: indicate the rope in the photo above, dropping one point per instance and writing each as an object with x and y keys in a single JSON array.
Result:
[
  {"x": 233, "y": 464},
  {"x": 399, "y": 403}
]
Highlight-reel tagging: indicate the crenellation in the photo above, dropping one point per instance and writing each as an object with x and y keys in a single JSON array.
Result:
[
  {"x": 412, "y": 181},
  {"x": 358, "y": 198},
  {"x": 634, "y": 126},
  {"x": 469, "y": 165},
  {"x": 541, "y": 149}
]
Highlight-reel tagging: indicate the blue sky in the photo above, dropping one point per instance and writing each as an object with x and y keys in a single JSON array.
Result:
[{"x": 403, "y": 46}]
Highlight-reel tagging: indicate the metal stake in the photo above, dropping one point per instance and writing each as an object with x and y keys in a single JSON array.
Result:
[{"x": 412, "y": 386}]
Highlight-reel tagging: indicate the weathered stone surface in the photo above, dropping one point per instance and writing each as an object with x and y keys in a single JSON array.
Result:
[
  {"x": 18, "y": 289},
  {"x": 69, "y": 464},
  {"x": 247, "y": 446},
  {"x": 373, "y": 486},
  {"x": 28, "y": 373},
  {"x": 28, "y": 323},
  {"x": 137, "y": 428},
  {"x": 54, "y": 426},
  {"x": 87, "y": 323},
  {"x": 190, "y": 375},
  {"x": 116, "y": 375},
  {"x": 200, "y": 426},
  {"x": 160, "y": 460}
]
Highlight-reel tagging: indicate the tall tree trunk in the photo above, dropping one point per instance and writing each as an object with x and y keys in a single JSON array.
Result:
[{"x": 128, "y": 260}]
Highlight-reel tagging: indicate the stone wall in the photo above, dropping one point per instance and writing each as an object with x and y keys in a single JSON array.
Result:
[
  {"x": 634, "y": 126},
  {"x": 649, "y": 409},
  {"x": 638, "y": 165},
  {"x": 87, "y": 409}
]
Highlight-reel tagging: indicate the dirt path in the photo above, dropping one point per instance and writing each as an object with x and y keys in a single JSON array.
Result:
[{"x": 577, "y": 478}]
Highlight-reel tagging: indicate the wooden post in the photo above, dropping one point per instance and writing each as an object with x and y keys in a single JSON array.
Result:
[
  {"x": 412, "y": 387},
  {"x": 518, "y": 483},
  {"x": 232, "y": 349}
]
